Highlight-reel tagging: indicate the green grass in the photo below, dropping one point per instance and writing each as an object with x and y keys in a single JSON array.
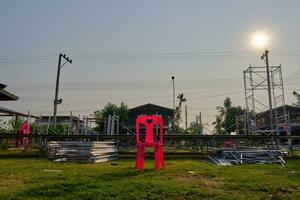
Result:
[{"x": 24, "y": 178}]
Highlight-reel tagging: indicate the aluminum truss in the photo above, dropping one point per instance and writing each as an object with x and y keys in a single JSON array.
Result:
[{"x": 257, "y": 105}]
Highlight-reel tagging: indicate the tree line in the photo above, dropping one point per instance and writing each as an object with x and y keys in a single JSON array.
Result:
[{"x": 224, "y": 123}]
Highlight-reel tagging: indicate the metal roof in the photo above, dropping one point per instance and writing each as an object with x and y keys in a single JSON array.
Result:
[
  {"x": 6, "y": 96},
  {"x": 9, "y": 112}
]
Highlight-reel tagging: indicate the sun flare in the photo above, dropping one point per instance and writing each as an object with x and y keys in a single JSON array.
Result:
[{"x": 259, "y": 40}]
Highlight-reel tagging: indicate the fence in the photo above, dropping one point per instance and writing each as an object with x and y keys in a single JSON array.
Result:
[{"x": 195, "y": 143}]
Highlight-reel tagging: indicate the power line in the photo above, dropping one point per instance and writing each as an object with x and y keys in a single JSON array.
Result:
[
  {"x": 169, "y": 101},
  {"x": 28, "y": 57},
  {"x": 143, "y": 56},
  {"x": 145, "y": 98}
]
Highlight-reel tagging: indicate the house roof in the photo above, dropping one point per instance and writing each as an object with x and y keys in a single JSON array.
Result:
[
  {"x": 61, "y": 117},
  {"x": 9, "y": 112},
  {"x": 290, "y": 107},
  {"x": 2, "y": 86},
  {"x": 151, "y": 105},
  {"x": 6, "y": 96}
]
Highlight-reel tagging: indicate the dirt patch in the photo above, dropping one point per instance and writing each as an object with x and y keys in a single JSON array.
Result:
[
  {"x": 290, "y": 190},
  {"x": 201, "y": 180}
]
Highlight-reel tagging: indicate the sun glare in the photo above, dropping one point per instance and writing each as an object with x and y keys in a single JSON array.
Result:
[{"x": 259, "y": 40}]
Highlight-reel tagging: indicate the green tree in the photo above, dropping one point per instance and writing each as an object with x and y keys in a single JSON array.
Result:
[
  {"x": 123, "y": 113},
  {"x": 60, "y": 129},
  {"x": 175, "y": 123},
  {"x": 195, "y": 128},
  {"x": 297, "y": 97},
  {"x": 178, "y": 109},
  {"x": 15, "y": 123},
  {"x": 218, "y": 124},
  {"x": 3, "y": 126},
  {"x": 229, "y": 122},
  {"x": 111, "y": 109},
  {"x": 226, "y": 117}
]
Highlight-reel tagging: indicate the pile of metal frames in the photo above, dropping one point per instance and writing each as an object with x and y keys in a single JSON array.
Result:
[{"x": 248, "y": 155}]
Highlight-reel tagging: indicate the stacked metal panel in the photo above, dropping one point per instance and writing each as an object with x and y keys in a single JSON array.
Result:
[
  {"x": 82, "y": 151},
  {"x": 248, "y": 155}
]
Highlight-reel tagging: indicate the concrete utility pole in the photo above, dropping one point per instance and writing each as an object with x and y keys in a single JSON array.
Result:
[
  {"x": 200, "y": 118},
  {"x": 200, "y": 121},
  {"x": 186, "y": 121},
  {"x": 266, "y": 57},
  {"x": 173, "y": 95},
  {"x": 59, "y": 101}
]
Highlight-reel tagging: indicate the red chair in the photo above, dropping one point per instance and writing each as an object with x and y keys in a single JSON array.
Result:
[
  {"x": 149, "y": 122},
  {"x": 23, "y": 130}
]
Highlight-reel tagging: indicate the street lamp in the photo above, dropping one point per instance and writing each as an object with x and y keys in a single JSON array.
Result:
[{"x": 173, "y": 93}]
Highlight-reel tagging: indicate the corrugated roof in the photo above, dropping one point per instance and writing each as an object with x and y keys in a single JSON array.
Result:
[{"x": 13, "y": 113}]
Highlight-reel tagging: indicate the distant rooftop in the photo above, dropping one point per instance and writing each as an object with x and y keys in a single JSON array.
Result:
[{"x": 151, "y": 106}]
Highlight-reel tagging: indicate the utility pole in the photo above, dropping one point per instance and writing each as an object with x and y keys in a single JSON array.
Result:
[
  {"x": 200, "y": 123},
  {"x": 56, "y": 100},
  {"x": 186, "y": 121},
  {"x": 266, "y": 57},
  {"x": 200, "y": 119}
]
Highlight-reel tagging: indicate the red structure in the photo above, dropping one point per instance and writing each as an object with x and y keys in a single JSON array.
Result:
[
  {"x": 24, "y": 130},
  {"x": 229, "y": 143},
  {"x": 149, "y": 122}
]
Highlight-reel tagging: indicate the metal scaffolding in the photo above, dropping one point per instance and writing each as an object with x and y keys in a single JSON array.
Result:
[{"x": 257, "y": 84}]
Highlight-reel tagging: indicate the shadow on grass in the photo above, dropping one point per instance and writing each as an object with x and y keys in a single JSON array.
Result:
[
  {"x": 107, "y": 185},
  {"x": 117, "y": 185},
  {"x": 20, "y": 154},
  {"x": 169, "y": 155},
  {"x": 121, "y": 175}
]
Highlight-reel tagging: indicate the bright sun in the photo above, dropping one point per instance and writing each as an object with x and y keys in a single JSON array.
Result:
[{"x": 259, "y": 40}]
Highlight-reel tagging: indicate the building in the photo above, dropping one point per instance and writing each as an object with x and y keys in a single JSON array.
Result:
[
  {"x": 6, "y": 96},
  {"x": 73, "y": 123},
  {"x": 150, "y": 109},
  {"x": 5, "y": 112},
  {"x": 293, "y": 113}
]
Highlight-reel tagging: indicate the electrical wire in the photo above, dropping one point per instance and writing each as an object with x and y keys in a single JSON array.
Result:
[{"x": 143, "y": 56}]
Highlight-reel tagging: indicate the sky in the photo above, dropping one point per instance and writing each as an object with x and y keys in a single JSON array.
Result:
[{"x": 128, "y": 50}]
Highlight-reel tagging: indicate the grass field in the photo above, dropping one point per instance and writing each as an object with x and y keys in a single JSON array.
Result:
[{"x": 30, "y": 178}]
